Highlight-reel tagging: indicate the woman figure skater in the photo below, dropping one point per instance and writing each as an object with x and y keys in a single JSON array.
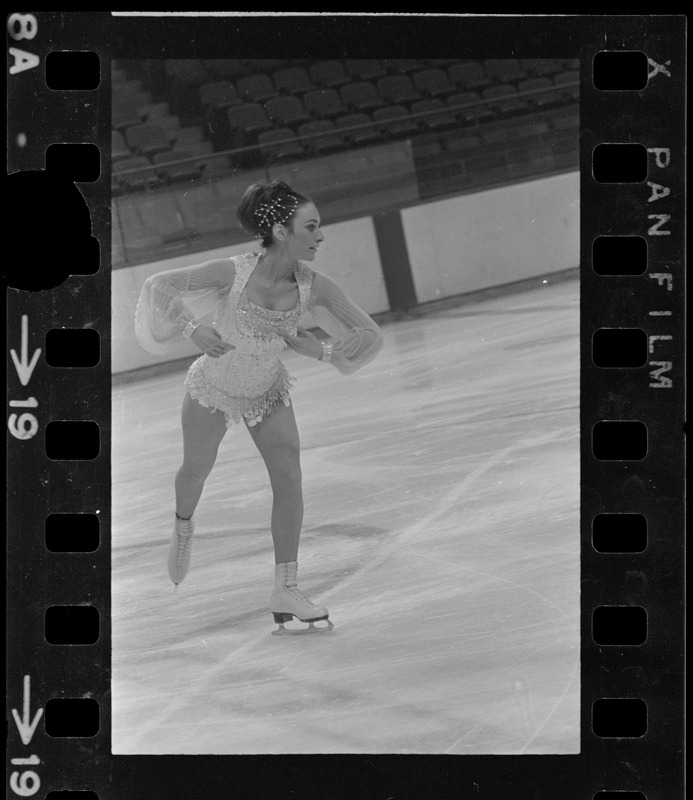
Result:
[{"x": 257, "y": 300}]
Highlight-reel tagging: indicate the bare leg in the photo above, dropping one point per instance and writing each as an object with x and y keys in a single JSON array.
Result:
[
  {"x": 203, "y": 431},
  {"x": 276, "y": 437}
]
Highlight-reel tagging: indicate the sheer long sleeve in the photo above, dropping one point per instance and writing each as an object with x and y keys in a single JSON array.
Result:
[
  {"x": 356, "y": 339},
  {"x": 169, "y": 300}
]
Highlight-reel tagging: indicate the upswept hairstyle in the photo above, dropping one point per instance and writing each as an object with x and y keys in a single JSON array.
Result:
[{"x": 266, "y": 204}]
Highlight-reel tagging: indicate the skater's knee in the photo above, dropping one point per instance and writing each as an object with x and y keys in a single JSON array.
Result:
[
  {"x": 195, "y": 470},
  {"x": 284, "y": 464}
]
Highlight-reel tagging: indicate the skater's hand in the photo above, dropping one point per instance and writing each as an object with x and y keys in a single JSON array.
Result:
[
  {"x": 305, "y": 343},
  {"x": 210, "y": 342}
]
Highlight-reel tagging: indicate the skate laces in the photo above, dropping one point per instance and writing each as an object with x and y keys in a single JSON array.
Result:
[
  {"x": 297, "y": 594},
  {"x": 183, "y": 539},
  {"x": 182, "y": 543}
]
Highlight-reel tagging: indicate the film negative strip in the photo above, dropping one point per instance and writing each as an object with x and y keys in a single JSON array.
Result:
[{"x": 64, "y": 174}]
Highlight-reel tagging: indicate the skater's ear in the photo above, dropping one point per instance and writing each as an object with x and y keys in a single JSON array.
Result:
[{"x": 280, "y": 231}]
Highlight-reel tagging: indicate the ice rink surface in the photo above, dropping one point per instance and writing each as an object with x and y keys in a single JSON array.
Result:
[{"x": 441, "y": 530}]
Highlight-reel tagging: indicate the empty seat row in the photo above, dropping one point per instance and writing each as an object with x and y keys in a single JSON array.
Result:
[
  {"x": 297, "y": 75},
  {"x": 366, "y": 96},
  {"x": 294, "y": 81},
  {"x": 362, "y": 84},
  {"x": 465, "y": 107},
  {"x": 139, "y": 172},
  {"x": 279, "y": 139},
  {"x": 191, "y": 138}
]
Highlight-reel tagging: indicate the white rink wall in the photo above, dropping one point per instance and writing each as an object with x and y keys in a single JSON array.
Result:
[
  {"x": 476, "y": 241},
  {"x": 455, "y": 245}
]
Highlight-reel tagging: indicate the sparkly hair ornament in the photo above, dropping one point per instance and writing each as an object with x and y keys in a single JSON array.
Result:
[{"x": 277, "y": 211}]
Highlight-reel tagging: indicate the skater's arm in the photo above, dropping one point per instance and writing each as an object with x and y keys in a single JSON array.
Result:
[
  {"x": 169, "y": 300},
  {"x": 355, "y": 338}
]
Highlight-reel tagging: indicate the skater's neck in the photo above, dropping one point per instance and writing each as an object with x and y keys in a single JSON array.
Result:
[{"x": 275, "y": 266}]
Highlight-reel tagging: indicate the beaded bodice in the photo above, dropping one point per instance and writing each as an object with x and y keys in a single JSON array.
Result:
[{"x": 265, "y": 324}]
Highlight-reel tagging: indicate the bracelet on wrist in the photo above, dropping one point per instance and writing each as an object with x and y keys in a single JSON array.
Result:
[
  {"x": 189, "y": 329},
  {"x": 326, "y": 351}
]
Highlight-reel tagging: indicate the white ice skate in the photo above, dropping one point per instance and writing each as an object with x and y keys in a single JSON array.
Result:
[
  {"x": 180, "y": 549},
  {"x": 288, "y": 601}
]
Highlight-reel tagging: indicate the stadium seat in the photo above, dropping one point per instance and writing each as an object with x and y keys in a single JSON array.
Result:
[
  {"x": 124, "y": 115},
  {"x": 262, "y": 64},
  {"x": 220, "y": 94},
  {"x": 145, "y": 178},
  {"x": 154, "y": 111},
  {"x": 287, "y": 111},
  {"x": 504, "y": 98},
  {"x": 331, "y": 139},
  {"x": 187, "y": 136},
  {"x": 155, "y": 77},
  {"x": 402, "y": 66},
  {"x": 572, "y": 64},
  {"x": 539, "y": 66},
  {"x": 293, "y": 80},
  {"x": 468, "y": 75},
  {"x": 432, "y": 83},
  {"x": 329, "y": 74},
  {"x": 547, "y": 96},
  {"x": 255, "y": 88},
  {"x": 564, "y": 80},
  {"x": 436, "y": 115},
  {"x": 117, "y": 186},
  {"x": 199, "y": 148},
  {"x": 361, "y": 135},
  {"x": 147, "y": 139},
  {"x": 119, "y": 148},
  {"x": 172, "y": 173},
  {"x": 324, "y": 103},
  {"x": 186, "y": 68},
  {"x": 398, "y": 89},
  {"x": 215, "y": 166},
  {"x": 169, "y": 125},
  {"x": 442, "y": 63},
  {"x": 128, "y": 87},
  {"x": 395, "y": 121},
  {"x": 361, "y": 96},
  {"x": 364, "y": 69},
  {"x": 249, "y": 117},
  {"x": 504, "y": 70},
  {"x": 280, "y": 144},
  {"x": 467, "y": 107},
  {"x": 224, "y": 67}
]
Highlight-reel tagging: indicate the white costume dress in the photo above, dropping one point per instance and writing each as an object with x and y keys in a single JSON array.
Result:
[{"x": 248, "y": 381}]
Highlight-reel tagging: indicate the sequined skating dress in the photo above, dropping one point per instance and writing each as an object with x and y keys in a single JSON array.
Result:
[{"x": 249, "y": 380}]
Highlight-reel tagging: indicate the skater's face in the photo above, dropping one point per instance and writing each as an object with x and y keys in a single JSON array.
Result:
[{"x": 303, "y": 233}]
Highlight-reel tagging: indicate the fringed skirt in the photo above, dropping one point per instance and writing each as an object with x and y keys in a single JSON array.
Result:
[{"x": 236, "y": 407}]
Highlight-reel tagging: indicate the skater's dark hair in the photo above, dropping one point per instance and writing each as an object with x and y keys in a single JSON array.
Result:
[{"x": 267, "y": 204}]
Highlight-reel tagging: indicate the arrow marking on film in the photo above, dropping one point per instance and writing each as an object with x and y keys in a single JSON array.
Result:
[
  {"x": 25, "y": 725},
  {"x": 23, "y": 366}
]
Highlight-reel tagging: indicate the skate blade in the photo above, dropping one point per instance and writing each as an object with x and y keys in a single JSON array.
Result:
[{"x": 282, "y": 631}]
